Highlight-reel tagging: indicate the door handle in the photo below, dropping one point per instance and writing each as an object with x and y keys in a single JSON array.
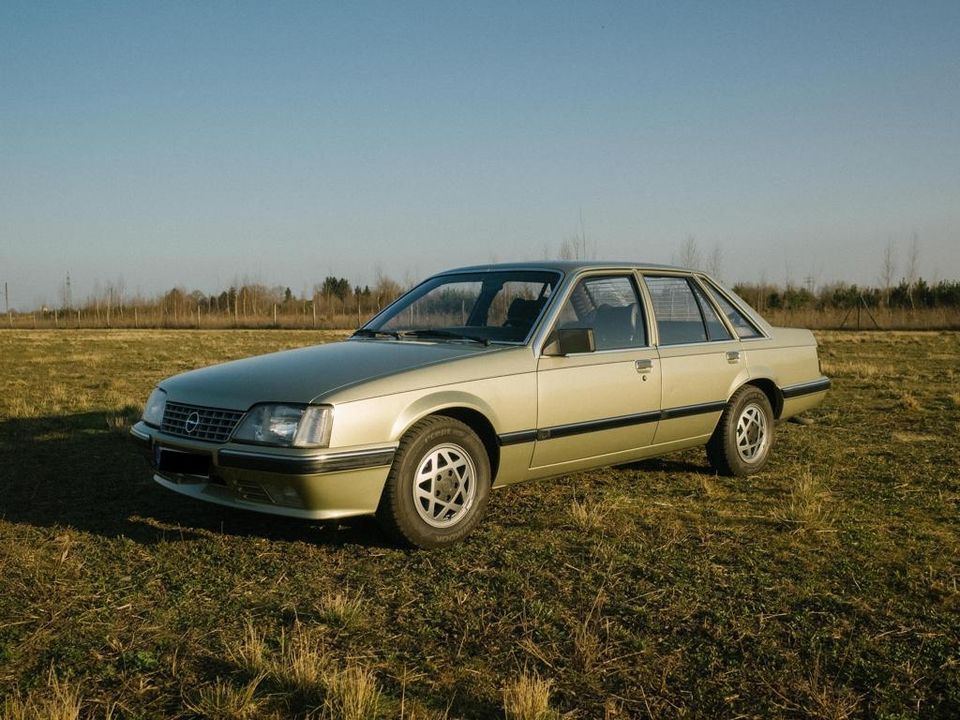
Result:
[
  {"x": 733, "y": 357},
  {"x": 643, "y": 366}
]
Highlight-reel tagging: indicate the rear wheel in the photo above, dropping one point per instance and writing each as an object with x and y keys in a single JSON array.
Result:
[
  {"x": 741, "y": 443},
  {"x": 437, "y": 489}
]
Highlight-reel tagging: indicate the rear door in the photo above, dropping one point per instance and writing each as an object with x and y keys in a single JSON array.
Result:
[
  {"x": 700, "y": 358},
  {"x": 599, "y": 403}
]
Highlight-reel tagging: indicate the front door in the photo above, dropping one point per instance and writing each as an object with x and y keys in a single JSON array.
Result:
[{"x": 605, "y": 402}]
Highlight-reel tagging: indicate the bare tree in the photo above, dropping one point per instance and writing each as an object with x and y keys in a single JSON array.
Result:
[
  {"x": 913, "y": 259},
  {"x": 715, "y": 261},
  {"x": 576, "y": 247},
  {"x": 570, "y": 249},
  {"x": 888, "y": 270},
  {"x": 690, "y": 255}
]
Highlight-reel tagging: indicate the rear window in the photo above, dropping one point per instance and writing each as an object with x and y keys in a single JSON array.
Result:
[{"x": 678, "y": 314}]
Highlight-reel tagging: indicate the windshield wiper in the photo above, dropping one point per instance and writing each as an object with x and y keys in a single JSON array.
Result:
[
  {"x": 437, "y": 333},
  {"x": 370, "y": 332}
]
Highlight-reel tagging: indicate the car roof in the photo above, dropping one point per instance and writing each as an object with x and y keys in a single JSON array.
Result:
[{"x": 565, "y": 266}]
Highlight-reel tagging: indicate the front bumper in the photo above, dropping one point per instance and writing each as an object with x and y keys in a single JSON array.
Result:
[{"x": 295, "y": 482}]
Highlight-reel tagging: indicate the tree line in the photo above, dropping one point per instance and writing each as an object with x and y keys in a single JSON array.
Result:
[
  {"x": 916, "y": 295},
  {"x": 334, "y": 302}
]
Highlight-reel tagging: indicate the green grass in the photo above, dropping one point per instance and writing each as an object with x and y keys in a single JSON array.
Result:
[{"x": 824, "y": 587}]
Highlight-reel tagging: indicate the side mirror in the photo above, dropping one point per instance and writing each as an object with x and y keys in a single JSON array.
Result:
[{"x": 565, "y": 341}]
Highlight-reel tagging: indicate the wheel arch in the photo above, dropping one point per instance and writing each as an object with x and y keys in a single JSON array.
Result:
[
  {"x": 771, "y": 390},
  {"x": 469, "y": 410},
  {"x": 479, "y": 423}
]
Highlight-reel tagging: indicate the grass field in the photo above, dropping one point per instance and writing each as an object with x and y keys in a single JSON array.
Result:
[{"x": 824, "y": 587}]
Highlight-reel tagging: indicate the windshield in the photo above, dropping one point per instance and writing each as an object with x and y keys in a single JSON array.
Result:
[{"x": 500, "y": 306}]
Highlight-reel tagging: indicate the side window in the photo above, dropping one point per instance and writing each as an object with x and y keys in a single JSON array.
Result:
[
  {"x": 610, "y": 307},
  {"x": 679, "y": 316},
  {"x": 744, "y": 327},
  {"x": 716, "y": 330}
]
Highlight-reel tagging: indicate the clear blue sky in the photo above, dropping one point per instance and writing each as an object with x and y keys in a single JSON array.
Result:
[{"x": 199, "y": 142}]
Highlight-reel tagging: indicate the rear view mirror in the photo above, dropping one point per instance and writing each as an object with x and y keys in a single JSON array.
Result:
[{"x": 566, "y": 341}]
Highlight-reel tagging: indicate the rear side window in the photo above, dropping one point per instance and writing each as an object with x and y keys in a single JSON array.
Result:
[
  {"x": 744, "y": 327},
  {"x": 684, "y": 315}
]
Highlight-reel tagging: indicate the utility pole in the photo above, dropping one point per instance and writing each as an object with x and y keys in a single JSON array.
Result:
[{"x": 6, "y": 299}]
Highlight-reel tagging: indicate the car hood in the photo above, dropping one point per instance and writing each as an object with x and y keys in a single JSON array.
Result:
[{"x": 305, "y": 374}]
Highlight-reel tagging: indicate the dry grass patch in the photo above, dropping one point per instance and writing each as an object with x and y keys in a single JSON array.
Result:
[
  {"x": 589, "y": 646},
  {"x": 855, "y": 369},
  {"x": 908, "y": 437},
  {"x": 812, "y": 695},
  {"x": 222, "y": 700},
  {"x": 351, "y": 694},
  {"x": 57, "y": 701},
  {"x": 528, "y": 698},
  {"x": 709, "y": 486},
  {"x": 909, "y": 402},
  {"x": 303, "y": 664},
  {"x": 342, "y": 609},
  {"x": 250, "y": 653},
  {"x": 120, "y": 421},
  {"x": 302, "y": 669},
  {"x": 806, "y": 508},
  {"x": 587, "y": 515}
]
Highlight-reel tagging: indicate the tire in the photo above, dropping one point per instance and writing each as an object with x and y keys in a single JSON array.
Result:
[
  {"x": 741, "y": 443},
  {"x": 437, "y": 489}
]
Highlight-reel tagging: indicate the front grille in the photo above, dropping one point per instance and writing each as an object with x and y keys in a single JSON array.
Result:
[{"x": 211, "y": 424}]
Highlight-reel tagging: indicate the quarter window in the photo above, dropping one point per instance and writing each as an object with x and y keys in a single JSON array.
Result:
[
  {"x": 744, "y": 327},
  {"x": 716, "y": 330},
  {"x": 684, "y": 315},
  {"x": 610, "y": 307}
]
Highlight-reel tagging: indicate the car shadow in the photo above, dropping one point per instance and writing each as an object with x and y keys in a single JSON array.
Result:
[
  {"x": 669, "y": 465},
  {"x": 82, "y": 471}
]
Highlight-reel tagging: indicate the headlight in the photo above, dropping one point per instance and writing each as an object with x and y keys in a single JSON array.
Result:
[
  {"x": 287, "y": 425},
  {"x": 153, "y": 411}
]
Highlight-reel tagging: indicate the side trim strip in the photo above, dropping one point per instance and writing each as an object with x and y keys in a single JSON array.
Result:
[
  {"x": 688, "y": 410},
  {"x": 597, "y": 425},
  {"x": 806, "y": 388},
  {"x": 305, "y": 464},
  {"x": 557, "y": 431},
  {"x": 515, "y": 438}
]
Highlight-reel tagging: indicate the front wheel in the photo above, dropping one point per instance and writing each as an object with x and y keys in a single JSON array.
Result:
[
  {"x": 741, "y": 443},
  {"x": 437, "y": 489}
]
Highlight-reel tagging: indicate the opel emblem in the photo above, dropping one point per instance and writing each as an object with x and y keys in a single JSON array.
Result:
[{"x": 191, "y": 423}]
